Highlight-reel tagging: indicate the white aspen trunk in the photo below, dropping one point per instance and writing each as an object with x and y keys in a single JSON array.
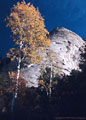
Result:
[
  {"x": 17, "y": 82},
  {"x": 50, "y": 90},
  {"x": 18, "y": 75},
  {"x": 18, "y": 69}
]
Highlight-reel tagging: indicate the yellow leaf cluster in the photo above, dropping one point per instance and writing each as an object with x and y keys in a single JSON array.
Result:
[
  {"x": 11, "y": 75},
  {"x": 27, "y": 26}
]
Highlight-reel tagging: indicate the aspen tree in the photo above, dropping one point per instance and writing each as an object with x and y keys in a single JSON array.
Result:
[{"x": 29, "y": 35}]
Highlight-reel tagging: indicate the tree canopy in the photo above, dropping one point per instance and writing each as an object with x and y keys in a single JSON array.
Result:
[{"x": 29, "y": 32}]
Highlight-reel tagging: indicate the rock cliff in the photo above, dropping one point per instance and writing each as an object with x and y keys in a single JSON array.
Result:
[{"x": 64, "y": 55}]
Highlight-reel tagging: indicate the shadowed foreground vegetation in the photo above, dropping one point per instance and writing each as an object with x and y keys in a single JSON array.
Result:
[{"x": 68, "y": 98}]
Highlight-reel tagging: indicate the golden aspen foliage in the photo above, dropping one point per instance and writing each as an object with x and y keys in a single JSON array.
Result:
[{"x": 27, "y": 25}]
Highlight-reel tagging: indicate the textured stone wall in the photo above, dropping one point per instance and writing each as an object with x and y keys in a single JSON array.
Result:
[{"x": 63, "y": 54}]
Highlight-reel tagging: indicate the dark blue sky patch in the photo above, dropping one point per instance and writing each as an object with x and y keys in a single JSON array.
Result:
[{"x": 57, "y": 13}]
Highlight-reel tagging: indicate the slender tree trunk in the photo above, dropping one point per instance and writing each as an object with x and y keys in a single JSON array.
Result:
[
  {"x": 16, "y": 86},
  {"x": 50, "y": 90},
  {"x": 17, "y": 82},
  {"x": 18, "y": 75}
]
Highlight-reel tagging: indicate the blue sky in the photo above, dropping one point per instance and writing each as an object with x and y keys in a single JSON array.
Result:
[{"x": 57, "y": 13}]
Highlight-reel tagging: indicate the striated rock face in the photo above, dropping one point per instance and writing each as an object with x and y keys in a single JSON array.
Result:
[
  {"x": 68, "y": 47},
  {"x": 63, "y": 55}
]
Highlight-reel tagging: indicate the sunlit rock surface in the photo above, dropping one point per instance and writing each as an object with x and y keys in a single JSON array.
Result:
[
  {"x": 68, "y": 47},
  {"x": 63, "y": 55}
]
